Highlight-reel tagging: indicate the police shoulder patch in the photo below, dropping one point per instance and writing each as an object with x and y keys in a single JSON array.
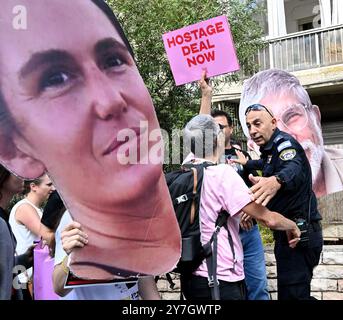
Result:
[
  {"x": 287, "y": 154},
  {"x": 284, "y": 145}
]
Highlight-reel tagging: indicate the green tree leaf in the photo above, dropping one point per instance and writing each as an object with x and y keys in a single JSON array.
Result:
[{"x": 145, "y": 21}]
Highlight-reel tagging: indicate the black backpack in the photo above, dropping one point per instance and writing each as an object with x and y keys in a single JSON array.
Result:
[{"x": 185, "y": 190}]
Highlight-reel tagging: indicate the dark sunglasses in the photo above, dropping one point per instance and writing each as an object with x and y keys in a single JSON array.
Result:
[
  {"x": 257, "y": 107},
  {"x": 222, "y": 126}
]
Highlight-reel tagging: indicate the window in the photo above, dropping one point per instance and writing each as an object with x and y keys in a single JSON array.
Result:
[{"x": 306, "y": 23}]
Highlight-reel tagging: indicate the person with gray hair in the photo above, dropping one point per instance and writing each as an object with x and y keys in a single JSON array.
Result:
[
  {"x": 254, "y": 260},
  {"x": 224, "y": 189},
  {"x": 291, "y": 105},
  {"x": 202, "y": 136}
]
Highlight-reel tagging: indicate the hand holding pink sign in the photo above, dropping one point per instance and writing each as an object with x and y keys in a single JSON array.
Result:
[{"x": 204, "y": 45}]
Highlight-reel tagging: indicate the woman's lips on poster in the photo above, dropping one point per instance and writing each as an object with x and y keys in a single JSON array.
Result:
[{"x": 127, "y": 133}]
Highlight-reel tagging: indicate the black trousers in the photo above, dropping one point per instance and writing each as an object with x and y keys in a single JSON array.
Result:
[
  {"x": 295, "y": 271},
  {"x": 196, "y": 288}
]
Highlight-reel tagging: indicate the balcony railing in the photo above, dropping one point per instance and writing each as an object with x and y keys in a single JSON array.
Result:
[{"x": 303, "y": 50}]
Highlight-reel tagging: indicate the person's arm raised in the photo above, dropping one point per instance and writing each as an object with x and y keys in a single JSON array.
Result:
[{"x": 206, "y": 95}]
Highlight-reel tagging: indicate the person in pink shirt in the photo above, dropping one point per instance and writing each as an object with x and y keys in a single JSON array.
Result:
[{"x": 224, "y": 189}]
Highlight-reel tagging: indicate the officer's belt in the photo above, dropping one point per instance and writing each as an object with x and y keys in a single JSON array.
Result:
[{"x": 314, "y": 226}]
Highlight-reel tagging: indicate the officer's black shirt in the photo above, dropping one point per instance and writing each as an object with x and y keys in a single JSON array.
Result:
[{"x": 285, "y": 157}]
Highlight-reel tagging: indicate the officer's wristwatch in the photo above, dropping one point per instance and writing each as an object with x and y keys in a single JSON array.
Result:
[{"x": 279, "y": 180}]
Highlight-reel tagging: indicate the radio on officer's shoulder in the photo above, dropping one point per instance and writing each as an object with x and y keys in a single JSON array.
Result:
[{"x": 303, "y": 227}]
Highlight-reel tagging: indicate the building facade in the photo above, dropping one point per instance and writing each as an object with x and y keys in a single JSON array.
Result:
[{"x": 305, "y": 37}]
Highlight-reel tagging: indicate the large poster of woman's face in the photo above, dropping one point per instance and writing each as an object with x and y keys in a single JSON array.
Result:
[{"x": 73, "y": 105}]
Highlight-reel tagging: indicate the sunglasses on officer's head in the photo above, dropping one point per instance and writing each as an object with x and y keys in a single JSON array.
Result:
[{"x": 257, "y": 107}]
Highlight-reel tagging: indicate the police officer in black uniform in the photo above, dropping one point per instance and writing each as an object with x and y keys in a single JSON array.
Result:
[{"x": 286, "y": 187}]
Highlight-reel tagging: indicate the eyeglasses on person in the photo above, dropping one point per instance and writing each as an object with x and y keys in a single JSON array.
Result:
[{"x": 221, "y": 126}]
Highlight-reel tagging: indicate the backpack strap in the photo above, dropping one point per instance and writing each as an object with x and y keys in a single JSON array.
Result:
[
  {"x": 211, "y": 254},
  {"x": 229, "y": 237},
  {"x": 222, "y": 222},
  {"x": 195, "y": 184},
  {"x": 194, "y": 196},
  {"x": 211, "y": 262}
]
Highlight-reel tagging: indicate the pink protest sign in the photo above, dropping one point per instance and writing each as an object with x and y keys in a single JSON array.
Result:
[{"x": 204, "y": 45}]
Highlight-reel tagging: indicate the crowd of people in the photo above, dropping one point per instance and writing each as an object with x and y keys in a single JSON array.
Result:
[{"x": 126, "y": 209}]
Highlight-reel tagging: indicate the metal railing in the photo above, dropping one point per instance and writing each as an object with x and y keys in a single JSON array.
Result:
[{"x": 303, "y": 50}]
